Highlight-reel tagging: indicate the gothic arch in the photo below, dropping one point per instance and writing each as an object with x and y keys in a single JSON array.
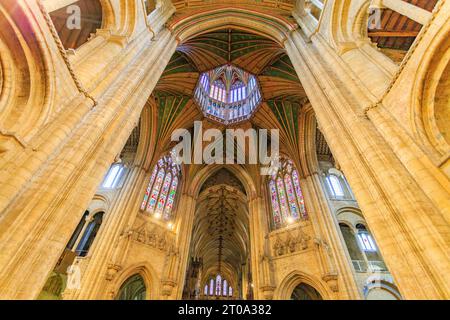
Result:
[
  {"x": 207, "y": 171},
  {"x": 293, "y": 279},
  {"x": 28, "y": 84},
  {"x": 99, "y": 203},
  {"x": 429, "y": 111},
  {"x": 383, "y": 282},
  {"x": 352, "y": 210},
  {"x": 148, "y": 274},
  {"x": 276, "y": 28}
]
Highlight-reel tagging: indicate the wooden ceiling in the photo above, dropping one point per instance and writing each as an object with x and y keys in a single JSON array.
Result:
[
  {"x": 221, "y": 230},
  {"x": 91, "y": 20},
  {"x": 398, "y": 32}
]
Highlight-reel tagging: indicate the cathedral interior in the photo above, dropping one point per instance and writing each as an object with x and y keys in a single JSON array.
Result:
[{"x": 96, "y": 204}]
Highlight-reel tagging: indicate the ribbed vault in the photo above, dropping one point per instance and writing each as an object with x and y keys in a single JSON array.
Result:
[
  {"x": 256, "y": 54},
  {"x": 221, "y": 232}
]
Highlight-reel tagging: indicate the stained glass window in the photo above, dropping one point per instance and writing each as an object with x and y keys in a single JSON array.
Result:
[
  {"x": 160, "y": 195},
  {"x": 282, "y": 197},
  {"x": 274, "y": 200},
  {"x": 218, "y": 287},
  {"x": 291, "y": 196},
  {"x": 172, "y": 193},
  {"x": 211, "y": 287},
  {"x": 286, "y": 196},
  {"x": 365, "y": 239}
]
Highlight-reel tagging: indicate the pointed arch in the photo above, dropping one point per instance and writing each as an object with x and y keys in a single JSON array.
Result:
[{"x": 296, "y": 277}]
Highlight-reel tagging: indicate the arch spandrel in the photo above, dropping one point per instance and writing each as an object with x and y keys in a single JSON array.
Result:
[
  {"x": 32, "y": 66},
  {"x": 294, "y": 278},
  {"x": 203, "y": 174},
  {"x": 275, "y": 27}
]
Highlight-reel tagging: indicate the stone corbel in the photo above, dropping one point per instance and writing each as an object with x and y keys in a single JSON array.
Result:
[
  {"x": 331, "y": 280},
  {"x": 115, "y": 38},
  {"x": 268, "y": 292},
  {"x": 167, "y": 287},
  {"x": 376, "y": 4},
  {"x": 112, "y": 270},
  {"x": 344, "y": 47}
]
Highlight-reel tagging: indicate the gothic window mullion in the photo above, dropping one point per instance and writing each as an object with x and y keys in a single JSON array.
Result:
[{"x": 155, "y": 192}]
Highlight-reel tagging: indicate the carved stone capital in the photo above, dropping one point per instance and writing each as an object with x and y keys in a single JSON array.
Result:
[
  {"x": 332, "y": 280},
  {"x": 111, "y": 271}
]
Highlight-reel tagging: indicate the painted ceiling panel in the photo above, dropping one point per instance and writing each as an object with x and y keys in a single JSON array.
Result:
[{"x": 253, "y": 53}]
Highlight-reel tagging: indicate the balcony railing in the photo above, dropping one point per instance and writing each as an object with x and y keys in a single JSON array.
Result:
[
  {"x": 374, "y": 266},
  {"x": 377, "y": 266},
  {"x": 360, "y": 265}
]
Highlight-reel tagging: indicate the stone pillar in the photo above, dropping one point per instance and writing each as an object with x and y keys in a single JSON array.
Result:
[
  {"x": 38, "y": 221},
  {"x": 262, "y": 280},
  {"x": 335, "y": 267},
  {"x": 411, "y": 231},
  {"x": 105, "y": 258},
  {"x": 185, "y": 223}
]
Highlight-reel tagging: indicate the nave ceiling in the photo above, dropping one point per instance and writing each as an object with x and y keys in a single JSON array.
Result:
[
  {"x": 283, "y": 94},
  {"x": 221, "y": 232}
]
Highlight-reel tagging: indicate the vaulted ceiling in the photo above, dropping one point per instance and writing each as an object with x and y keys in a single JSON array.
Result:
[
  {"x": 253, "y": 53},
  {"x": 220, "y": 233}
]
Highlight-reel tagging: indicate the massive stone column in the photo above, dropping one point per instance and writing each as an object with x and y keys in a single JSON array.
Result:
[
  {"x": 411, "y": 232},
  {"x": 185, "y": 223},
  {"x": 46, "y": 188},
  {"x": 262, "y": 280}
]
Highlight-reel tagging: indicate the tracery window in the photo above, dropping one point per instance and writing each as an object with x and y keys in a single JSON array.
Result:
[
  {"x": 286, "y": 195},
  {"x": 132, "y": 289},
  {"x": 161, "y": 191},
  {"x": 218, "y": 287}
]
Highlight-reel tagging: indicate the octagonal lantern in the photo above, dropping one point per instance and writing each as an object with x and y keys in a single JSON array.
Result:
[{"x": 228, "y": 94}]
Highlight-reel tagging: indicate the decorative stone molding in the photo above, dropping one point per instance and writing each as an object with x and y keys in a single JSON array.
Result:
[
  {"x": 331, "y": 280},
  {"x": 290, "y": 241},
  {"x": 152, "y": 235},
  {"x": 112, "y": 270},
  {"x": 167, "y": 287},
  {"x": 268, "y": 292}
]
